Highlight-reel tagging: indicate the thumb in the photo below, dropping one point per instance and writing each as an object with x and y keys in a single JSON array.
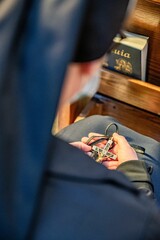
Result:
[{"x": 120, "y": 140}]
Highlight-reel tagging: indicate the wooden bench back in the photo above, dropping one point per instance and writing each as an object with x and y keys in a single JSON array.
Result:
[{"x": 146, "y": 21}]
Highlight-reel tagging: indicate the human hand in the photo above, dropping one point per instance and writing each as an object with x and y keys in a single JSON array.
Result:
[
  {"x": 82, "y": 146},
  {"x": 122, "y": 149}
]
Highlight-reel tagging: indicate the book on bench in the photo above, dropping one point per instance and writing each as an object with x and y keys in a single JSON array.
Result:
[{"x": 128, "y": 55}]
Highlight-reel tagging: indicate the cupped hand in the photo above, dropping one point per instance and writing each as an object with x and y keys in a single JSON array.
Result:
[
  {"x": 82, "y": 146},
  {"x": 123, "y": 151},
  {"x": 121, "y": 148}
]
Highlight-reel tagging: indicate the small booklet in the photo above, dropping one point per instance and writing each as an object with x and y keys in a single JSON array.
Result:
[{"x": 128, "y": 55}]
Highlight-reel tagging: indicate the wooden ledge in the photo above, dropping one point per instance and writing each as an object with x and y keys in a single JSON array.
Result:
[{"x": 137, "y": 93}]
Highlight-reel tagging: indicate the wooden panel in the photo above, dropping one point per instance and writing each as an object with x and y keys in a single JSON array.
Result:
[
  {"x": 135, "y": 92},
  {"x": 146, "y": 21},
  {"x": 134, "y": 118},
  {"x": 154, "y": 1},
  {"x": 62, "y": 119},
  {"x": 67, "y": 114}
]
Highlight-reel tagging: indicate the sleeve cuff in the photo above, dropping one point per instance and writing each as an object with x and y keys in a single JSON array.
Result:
[{"x": 137, "y": 172}]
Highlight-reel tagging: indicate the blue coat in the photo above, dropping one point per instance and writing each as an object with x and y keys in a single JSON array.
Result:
[{"x": 38, "y": 40}]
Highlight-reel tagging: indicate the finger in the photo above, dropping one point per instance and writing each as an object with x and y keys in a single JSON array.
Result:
[
  {"x": 112, "y": 168},
  {"x": 84, "y": 139},
  {"x": 114, "y": 150},
  {"x": 121, "y": 140},
  {"x": 101, "y": 144},
  {"x": 109, "y": 159},
  {"x": 110, "y": 164},
  {"x": 89, "y": 154},
  {"x": 84, "y": 147},
  {"x": 94, "y": 134}
]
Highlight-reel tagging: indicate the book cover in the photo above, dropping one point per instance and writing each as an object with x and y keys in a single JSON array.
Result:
[{"x": 128, "y": 55}]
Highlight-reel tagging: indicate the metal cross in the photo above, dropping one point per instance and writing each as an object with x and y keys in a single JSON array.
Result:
[{"x": 101, "y": 153}]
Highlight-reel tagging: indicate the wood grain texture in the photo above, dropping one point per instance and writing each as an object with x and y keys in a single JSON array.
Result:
[
  {"x": 62, "y": 119},
  {"x": 134, "y": 92},
  {"x": 68, "y": 113},
  {"x": 154, "y": 1},
  {"x": 134, "y": 118},
  {"x": 146, "y": 21}
]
